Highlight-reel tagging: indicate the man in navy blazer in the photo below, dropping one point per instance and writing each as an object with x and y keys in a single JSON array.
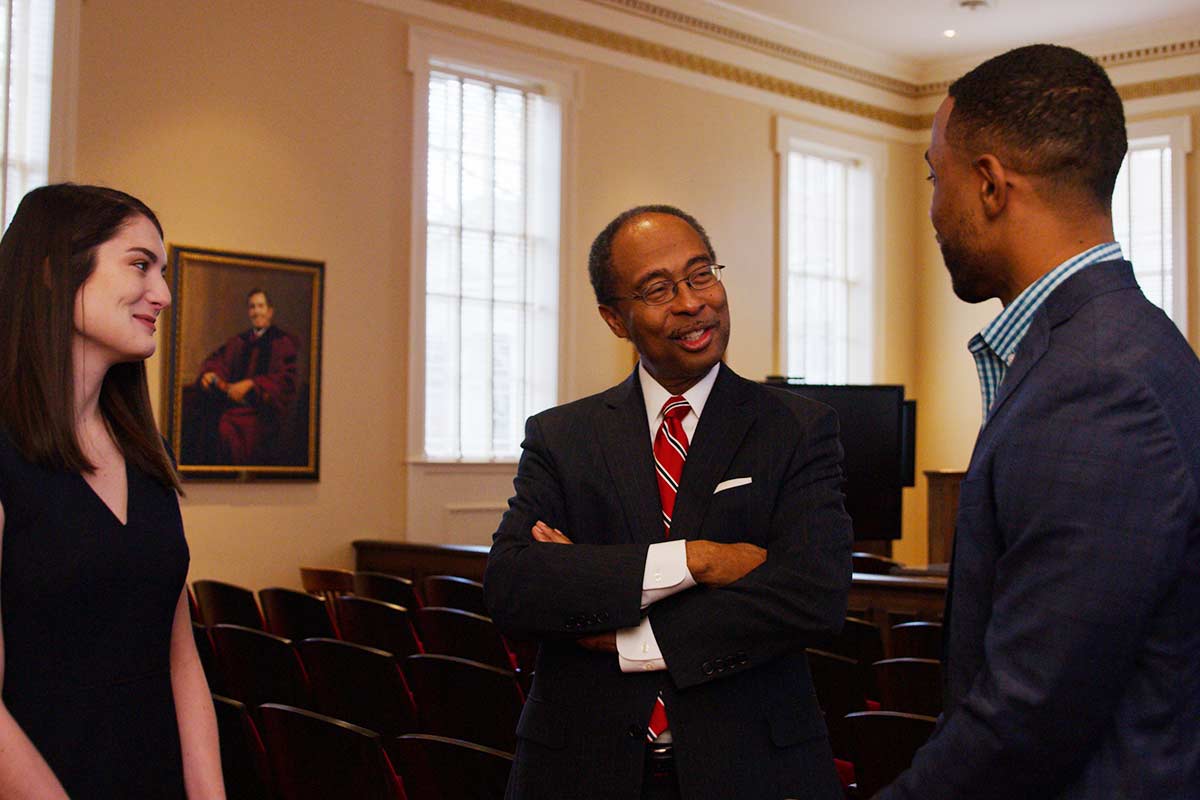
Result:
[
  {"x": 714, "y": 619},
  {"x": 1073, "y": 618}
]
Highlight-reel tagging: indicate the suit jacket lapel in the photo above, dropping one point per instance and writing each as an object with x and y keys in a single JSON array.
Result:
[
  {"x": 1060, "y": 306},
  {"x": 726, "y": 418},
  {"x": 625, "y": 442}
]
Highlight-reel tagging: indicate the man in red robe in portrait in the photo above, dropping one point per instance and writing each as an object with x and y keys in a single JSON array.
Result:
[{"x": 249, "y": 384}]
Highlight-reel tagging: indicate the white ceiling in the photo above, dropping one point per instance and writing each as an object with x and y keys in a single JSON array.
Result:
[{"x": 911, "y": 30}]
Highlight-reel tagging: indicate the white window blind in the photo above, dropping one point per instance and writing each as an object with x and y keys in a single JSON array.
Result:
[
  {"x": 27, "y": 43},
  {"x": 1142, "y": 219},
  {"x": 491, "y": 262},
  {"x": 830, "y": 244},
  {"x": 819, "y": 273}
]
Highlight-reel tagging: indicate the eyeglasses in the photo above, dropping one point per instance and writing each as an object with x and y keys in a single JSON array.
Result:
[{"x": 661, "y": 292}]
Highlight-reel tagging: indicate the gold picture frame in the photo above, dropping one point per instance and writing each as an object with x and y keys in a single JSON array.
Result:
[{"x": 243, "y": 384}]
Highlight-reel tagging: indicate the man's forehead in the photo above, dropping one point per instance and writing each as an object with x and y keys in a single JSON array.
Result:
[
  {"x": 938, "y": 143},
  {"x": 649, "y": 234}
]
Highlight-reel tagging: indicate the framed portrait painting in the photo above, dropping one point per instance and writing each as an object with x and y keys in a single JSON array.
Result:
[{"x": 243, "y": 381}]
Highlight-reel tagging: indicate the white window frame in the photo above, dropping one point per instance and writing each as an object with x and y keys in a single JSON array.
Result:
[
  {"x": 1175, "y": 133},
  {"x": 792, "y": 136},
  {"x": 555, "y": 79},
  {"x": 26, "y": 85}
]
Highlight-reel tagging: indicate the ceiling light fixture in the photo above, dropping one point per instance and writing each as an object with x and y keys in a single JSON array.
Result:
[{"x": 949, "y": 33}]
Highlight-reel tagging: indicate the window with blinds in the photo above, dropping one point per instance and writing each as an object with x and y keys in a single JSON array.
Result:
[
  {"x": 818, "y": 274},
  {"x": 27, "y": 43},
  {"x": 828, "y": 253},
  {"x": 491, "y": 263},
  {"x": 1143, "y": 219}
]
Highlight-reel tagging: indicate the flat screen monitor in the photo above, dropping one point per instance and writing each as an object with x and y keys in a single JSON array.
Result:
[{"x": 878, "y": 432}]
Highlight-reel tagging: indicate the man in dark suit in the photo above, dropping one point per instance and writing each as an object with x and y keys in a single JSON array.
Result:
[
  {"x": 1073, "y": 620},
  {"x": 705, "y": 600}
]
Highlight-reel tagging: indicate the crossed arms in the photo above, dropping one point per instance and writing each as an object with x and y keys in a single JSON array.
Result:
[{"x": 761, "y": 592}]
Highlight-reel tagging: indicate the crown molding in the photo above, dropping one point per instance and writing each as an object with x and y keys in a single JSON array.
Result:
[
  {"x": 1158, "y": 88},
  {"x": 704, "y": 27},
  {"x": 589, "y": 33},
  {"x": 692, "y": 61},
  {"x": 865, "y": 77}
]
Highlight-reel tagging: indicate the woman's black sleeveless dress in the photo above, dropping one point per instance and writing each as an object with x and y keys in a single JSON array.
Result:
[{"x": 88, "y": 605}]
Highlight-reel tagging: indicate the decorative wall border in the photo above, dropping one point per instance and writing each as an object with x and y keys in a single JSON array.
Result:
[
  {"x": 715, "y": 30},
  {"x": 1110, "y": 60},
  {"x": 1157, "y": 88},
  {"x": 849, "y": 71},
  {"x": 642, "y": 48},
  {"x": 588, "y": 33}
]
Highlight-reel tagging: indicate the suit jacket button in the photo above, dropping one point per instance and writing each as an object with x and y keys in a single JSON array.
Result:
[
  {"x": 633, "y": 730},
  {"x": 707, "y": 668}
]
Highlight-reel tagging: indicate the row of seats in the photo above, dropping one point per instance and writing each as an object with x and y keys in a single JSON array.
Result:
[
  {"x": 365, "y": 619},
  {"x": 852, "y": 683},
  {"x": 882, "y": 746},
  {"x": 423, "y": 693},
  {"x": 878, "y": 710},
  {"x": 294, "y": 754},
  {"x": 863, "y": 640},
  {"x": 341, "y": 670}
]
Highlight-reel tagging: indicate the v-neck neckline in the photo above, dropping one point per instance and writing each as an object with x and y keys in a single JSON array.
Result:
[{"x": 104, "y": 503}]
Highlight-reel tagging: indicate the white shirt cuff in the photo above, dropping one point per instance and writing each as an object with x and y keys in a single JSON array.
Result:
[
  {"x": 666, "y": 571},
  {"x": 637, "y": 649}
]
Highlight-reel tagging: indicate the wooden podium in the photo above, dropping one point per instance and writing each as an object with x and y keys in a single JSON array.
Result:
[{"x": 943, "y": 508}]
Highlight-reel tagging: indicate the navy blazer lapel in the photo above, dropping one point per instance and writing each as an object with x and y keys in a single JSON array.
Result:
[
  {"x": 726, "y": 418},
  {"x": 1059, "y": 306},
  {"x": 625, "y": 442}
]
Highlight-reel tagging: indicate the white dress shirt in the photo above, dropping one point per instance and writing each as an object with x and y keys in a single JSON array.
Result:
[{"x": 666, "y": 570}]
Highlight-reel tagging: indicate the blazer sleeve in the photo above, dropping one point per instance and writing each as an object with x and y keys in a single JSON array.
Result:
[
  {"x": 1093, "y": 499},
  {"x": 542, "y": 589},
  {"x": 797, "y": 597}
]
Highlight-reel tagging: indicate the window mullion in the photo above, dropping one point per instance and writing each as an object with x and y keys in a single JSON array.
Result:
[
  {"x": 490, "y": 409},
  {"x": 1163, "y": 252},
  {"x": 462, "y": 160},
  {"x": 8, "y": 105},
  {"x": 528, "y": 306}
]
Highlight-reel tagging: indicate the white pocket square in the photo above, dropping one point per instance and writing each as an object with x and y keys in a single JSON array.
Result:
[{"x": 732, "y": 483}]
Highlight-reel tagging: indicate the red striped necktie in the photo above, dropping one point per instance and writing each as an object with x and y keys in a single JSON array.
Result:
[{"x": 670, "y": 451}]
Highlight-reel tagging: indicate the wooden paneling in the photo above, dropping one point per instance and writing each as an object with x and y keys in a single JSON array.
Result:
[
  {"x": 943, "y": 508},
  {"x": 414, "y": 560}
]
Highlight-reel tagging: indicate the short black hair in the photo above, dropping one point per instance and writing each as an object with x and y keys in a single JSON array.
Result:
[
  {"x": 600, "y": 266},
  {"x": 1046, "y": 110},
  {"x": 263, "y": 292}
]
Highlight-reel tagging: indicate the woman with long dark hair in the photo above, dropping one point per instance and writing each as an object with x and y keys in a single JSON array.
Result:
[{"x": 103, "y": 692}]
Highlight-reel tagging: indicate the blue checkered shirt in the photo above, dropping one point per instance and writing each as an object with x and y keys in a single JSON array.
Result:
[{"x": 995, "y": 347}]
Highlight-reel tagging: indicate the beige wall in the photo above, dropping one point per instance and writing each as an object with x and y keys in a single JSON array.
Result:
[
  {"x": 283, "y": 127},
  {"x": 275, "y": 127}
]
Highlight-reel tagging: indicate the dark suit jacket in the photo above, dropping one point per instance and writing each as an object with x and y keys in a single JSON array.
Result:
[
  {"x": 1073, "y": 624},
  {"x": 738, "y": 692}
]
